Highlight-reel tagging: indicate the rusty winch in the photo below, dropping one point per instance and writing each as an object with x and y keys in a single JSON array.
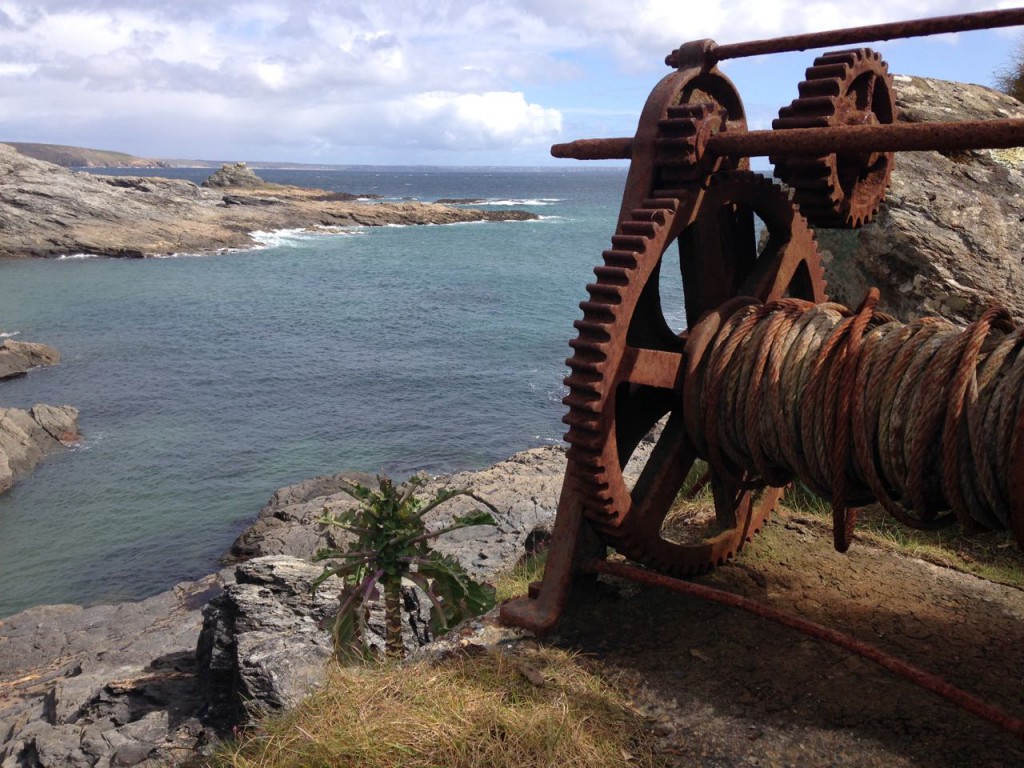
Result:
[{"x": 769, "y": 382}]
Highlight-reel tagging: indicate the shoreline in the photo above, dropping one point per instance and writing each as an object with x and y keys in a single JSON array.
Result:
[{"x": 53, "y": 212}]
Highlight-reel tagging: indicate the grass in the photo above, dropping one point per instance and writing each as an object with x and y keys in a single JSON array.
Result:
[
  {"x": 527, "y": 707},
  {"x": 993, "y": 556},
  {"x": 501, "y": 710},
  {"x": 516, "y": 580}
]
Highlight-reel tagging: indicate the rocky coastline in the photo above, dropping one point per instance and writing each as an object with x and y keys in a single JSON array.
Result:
[
  {"x": 157, "y": 681},
  {"x": 50, "y": 211}
]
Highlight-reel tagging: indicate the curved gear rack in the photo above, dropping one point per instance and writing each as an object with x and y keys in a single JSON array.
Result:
[{"x": 840, "y": 190}]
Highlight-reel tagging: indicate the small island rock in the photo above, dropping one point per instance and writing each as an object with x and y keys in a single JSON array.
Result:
[{"x": 234, "y": 175}]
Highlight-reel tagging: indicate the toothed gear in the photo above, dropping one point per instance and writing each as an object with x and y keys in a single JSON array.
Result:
[
  {"x": 842, "y": 88},
  {"x": 627, "y": 369}
]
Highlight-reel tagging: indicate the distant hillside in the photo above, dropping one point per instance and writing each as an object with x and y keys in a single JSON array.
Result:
[{"x": 79, "y": 157}]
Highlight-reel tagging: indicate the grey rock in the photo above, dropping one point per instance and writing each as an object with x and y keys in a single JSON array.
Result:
[
  {"x": 107, "y": 685},
  {"x": 28, "y": 436},
  {"x": 234, "y": 175},
  {"x": 17, "y": 357},
  {"x": 262, "y": 644},
  {"x": 60, "y": 422},
  {"x": 524, "y": 489},
  {"x": 266, "y": 643},
  {"x": 947, "y": 240}
]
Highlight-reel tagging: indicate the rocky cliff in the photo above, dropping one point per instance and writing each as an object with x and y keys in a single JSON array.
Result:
[
  {"x": 46, "y": 210},
  {"x": 948, "y": 239}
]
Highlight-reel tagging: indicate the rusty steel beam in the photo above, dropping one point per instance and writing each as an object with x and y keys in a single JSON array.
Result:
[
  {"x": 967, "y": 134},
  {"x": 965, "y": 22},
  {"x": 594, "y": 149}
]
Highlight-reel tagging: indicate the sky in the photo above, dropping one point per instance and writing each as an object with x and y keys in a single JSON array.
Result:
[{"x": 408, "y": 82}]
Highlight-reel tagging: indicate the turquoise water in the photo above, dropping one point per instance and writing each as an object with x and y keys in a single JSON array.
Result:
[{"x": 205, "y": 383}]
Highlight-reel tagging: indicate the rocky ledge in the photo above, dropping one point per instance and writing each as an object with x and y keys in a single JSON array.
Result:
[
  {"x": 46, "y": 210},
  {"x": 17, "y": 357},
  {"x": 27, "y": 436}
]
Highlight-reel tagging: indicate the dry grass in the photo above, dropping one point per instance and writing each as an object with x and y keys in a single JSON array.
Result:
[
  {"x": 539, "y": 708},
  {"x": 515, "y": 582}
]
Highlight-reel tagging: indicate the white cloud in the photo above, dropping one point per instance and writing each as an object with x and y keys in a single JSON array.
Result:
[{"x": 292, "y": 73}]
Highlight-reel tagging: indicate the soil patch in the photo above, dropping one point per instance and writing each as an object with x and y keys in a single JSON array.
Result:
[{"x": 726, "y": 688}]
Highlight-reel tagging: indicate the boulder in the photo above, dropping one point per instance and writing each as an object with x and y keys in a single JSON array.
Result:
[
  {"x": 524, "y": 489},
  {"x": 947, "y": 240},
  {"x": 234, "y": 175},
  {"x": 266, "y": 641}
]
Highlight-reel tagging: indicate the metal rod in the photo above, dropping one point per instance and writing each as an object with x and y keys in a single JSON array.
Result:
[
  {"x": 967, "y": 134},
  {"x": 594, "y": 149},
  {"x": 965, "y": 22},
  {"x": 933, "y": 683}
]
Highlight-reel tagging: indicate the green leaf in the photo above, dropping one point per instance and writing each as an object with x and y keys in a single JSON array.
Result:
[
  {"x": 458, "y": 595},
  {"x": 476, "y": 517}
]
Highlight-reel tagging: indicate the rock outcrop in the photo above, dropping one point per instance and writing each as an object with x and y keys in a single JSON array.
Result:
[
  {"x": 112, "y": 685},
  {"x": 123, "y": 684},
  {"x": 17, "y": 357},
  {"x": 46, "y": 210},
  {"x": 234, "y": 175},
  {"x": 524, "y": 489},
  {"x": 948, "y": 239},
  {"x": 27, "y": 436}
]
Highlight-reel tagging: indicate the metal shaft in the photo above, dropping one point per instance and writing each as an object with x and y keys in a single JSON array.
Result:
[
  {"x": 968, "y": 134},
  {"x": 965, "y": 22}
]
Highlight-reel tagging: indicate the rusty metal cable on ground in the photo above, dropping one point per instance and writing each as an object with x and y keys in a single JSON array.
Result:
[
  {"x": 916, "y": 675},
  {"x": 921, "y": 417}
]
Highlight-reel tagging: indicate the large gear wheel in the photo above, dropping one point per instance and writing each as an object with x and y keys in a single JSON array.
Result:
[
  {"x": 842, "y": 88},
  {"x": 628, "y": 367}
]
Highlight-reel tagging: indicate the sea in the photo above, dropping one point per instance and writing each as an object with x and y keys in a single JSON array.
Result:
[{"x": 205, "y": 382}]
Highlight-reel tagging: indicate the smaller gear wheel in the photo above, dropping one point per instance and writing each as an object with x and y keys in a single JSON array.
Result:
[{"x": 843, "y": 88}]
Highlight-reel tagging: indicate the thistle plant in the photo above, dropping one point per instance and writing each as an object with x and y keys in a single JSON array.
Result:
[{"x": 391, "y": 543}]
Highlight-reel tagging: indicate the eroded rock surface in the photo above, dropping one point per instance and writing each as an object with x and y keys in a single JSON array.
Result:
[
  {"x": 234, "y": 175},
  {"x": 17, "y": 357},
  {"x": 524, "y": 489},
  {"x": 948, "y": 239},
  {"x": 27, "y": 436},
  {"x": 103, "y": 686}
]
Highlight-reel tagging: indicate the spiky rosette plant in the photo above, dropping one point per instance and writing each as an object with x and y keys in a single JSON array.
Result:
[{"x": 392, "y": 543}]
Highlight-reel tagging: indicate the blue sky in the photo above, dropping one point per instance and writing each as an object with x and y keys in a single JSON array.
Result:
[{"x": 435, "y": 82}]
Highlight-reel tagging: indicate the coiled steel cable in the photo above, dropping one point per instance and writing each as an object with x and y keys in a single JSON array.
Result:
[{"x": 921, "y": 417}]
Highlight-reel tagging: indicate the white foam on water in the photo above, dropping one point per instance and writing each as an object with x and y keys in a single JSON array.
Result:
[
  {"x": 69, "y": 256},
  {"x": 290, "y": 238},
  {"x": 523, "y": 201},
  {"x": 9, "y": 334}
]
